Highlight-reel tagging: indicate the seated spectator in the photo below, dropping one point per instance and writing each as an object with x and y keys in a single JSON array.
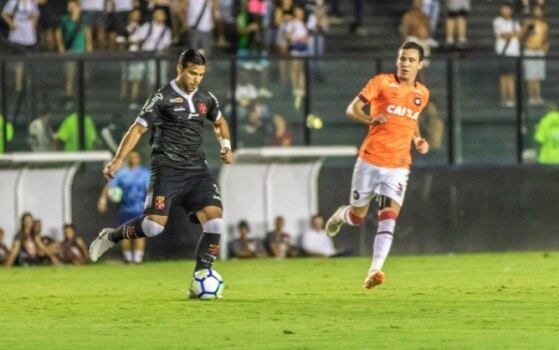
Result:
[
  {"x": 4, "y": 251},
  {"x": 244, "y": 247},
  {"x": 73, "y": 249},
  {"x": 24, "y": 250},
  {"x": 278, "y": 242},
  {"x": 315, "y": 242},
  {"x": 547, "y": 135},
  {"x": 282, "y": 136},
  {"x": 47, "y": 247}
]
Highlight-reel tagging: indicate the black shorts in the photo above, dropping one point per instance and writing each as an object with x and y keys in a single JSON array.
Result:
[
  {"x": 507, "y": 65},
  {"x": 116, "y": 22},
  {"x": 191, "y": 189},
  {"x": 458, "y": 13}
]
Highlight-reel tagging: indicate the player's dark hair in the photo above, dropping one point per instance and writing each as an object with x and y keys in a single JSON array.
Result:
[
  {"x": 191, "y": 56},
  {"x": 507, "y": 4},
  {"x": 411, "y": 45}
]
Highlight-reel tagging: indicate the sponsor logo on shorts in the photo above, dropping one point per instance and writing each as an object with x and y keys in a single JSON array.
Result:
[
  {"x": 355, "y": 195},
  {"x": 160, "y": 202},
  {"x": 202, "y": 108},
  {"x": 400, "y": 189}
]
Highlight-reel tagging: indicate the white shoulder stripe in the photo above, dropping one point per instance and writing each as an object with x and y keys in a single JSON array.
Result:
[{"x": 142, "y": 122}]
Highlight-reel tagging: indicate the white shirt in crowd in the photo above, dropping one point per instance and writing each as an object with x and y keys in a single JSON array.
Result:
[
  {"x": 156, "y": 39},
  {"x": 317, "y": 242},
  {"x": 297, "y": 31},
  {"x": 24, "y": 32},
  {"x": 504, "y": 26},
  {"x": 195, "y": 9},
  {"x": 123, "y": 5},
  {"x": 93, "y": 5}
]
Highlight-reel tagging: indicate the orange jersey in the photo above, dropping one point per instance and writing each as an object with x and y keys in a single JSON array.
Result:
[{"x": 388, "y": 145}]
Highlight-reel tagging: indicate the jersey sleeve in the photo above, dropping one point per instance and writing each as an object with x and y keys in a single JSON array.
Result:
[
  {"x": 371, "y": 90},
  {"x": 150, "y": 111},
  {"x": 213, "y": 109}
]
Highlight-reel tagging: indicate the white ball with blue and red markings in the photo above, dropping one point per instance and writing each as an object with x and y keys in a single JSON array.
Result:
[{"x": 207, "y": 284}]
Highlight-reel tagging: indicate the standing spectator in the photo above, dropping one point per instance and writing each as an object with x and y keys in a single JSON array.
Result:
[
  {"x": 282, "y": 136},
  {"x": 547, "y": 135},
  {"x": 536, "y": 45},
  {"x": 9, "y": 132},
  {"x": 297, "y": 36},
  {"x": 524, "y": 5},
  {"x": 432, "y": 9},
  {"x": 4, "y": 251},
  {"x": 282, "y": 15},
  {"x": 315, "y": 241},
  {"x": 456, "y": 24},
  {"x": 72, "y": 248},
  {"x": 95, "y": 17},
  {"x": 317, "y": 25},
  {"x": 51, "y": 12},
  {"x": 244, "y": 247},
  {"x": 132, "y": 27},
  {"x": 133, "y": 182},
  {"x": 356, "y": 27},
  {"x": 153, "y": 36},
  {"x": 40, "y": 132},
  {"x": 118, "y": 20},
  {"x": 200, "y": 18},
  {"x": 278, "y": 242},
  {"x": 73, "y": 36},
  {"x": 68, "y": 133},
  {"x": 415, "y": 26},
  {"x": 21, "y": 17},
  {"x": 507, "y": 44}
]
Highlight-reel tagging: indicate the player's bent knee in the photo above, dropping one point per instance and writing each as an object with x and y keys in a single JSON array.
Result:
[
  {"x": 151, "y": 228},
  {"x": 213, "y": 226},
  {"x": 356, "y": 220}
]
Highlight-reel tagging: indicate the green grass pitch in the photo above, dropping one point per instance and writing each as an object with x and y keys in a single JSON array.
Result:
[{"x": 476, "y": 301}]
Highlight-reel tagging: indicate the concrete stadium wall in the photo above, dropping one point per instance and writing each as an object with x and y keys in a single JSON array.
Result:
[{"x": 458, "y": 209}]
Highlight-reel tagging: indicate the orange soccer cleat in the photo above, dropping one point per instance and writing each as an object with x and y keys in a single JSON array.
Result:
[{"x": 373, "y": 279}]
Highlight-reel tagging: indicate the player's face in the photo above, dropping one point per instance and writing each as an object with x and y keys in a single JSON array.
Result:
[
  {"x": 191, "y": 76},
  {"x": 408, "y": 64}
]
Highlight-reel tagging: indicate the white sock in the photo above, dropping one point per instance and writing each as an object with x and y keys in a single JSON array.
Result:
[
  {"x": 138, "y": 256},
  {"x": 381, "y": 248},
  {"x": 127, "y": 255}
]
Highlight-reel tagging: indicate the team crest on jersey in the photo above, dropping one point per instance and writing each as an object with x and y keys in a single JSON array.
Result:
[
  {"x": 160, "y": 202},
  {"x": 417, "y": 101},
  {"x": 355, "y": 195},
  {"x": 202, "y": 108}
]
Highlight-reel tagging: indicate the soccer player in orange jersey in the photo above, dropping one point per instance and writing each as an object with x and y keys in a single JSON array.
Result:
[{"x": 383, "y": 166}]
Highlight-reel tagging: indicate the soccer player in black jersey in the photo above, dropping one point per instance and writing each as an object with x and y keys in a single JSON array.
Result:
[{"x": 175, "y": 115}]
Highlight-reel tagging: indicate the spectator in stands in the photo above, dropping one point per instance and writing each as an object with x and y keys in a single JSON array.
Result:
[
  {"x": 432, "y": 9},
  {"x": 317, "y": 25},
  {"x": 200, "y": 18},
  {"x": 72, "y": 248},
  {"x": 95, "y": 17},
  {"x": 24, "y": 250},
  {"x": 524, "y": 5},
  {"x": 356, "y": 27},
  {"x": 253, "y": 133},
  {"x": 51, "y": 12},
  {"x": 283, "y": 13},
  {"x": 117, "y": 21},
  {"x": 68, "y": 133},
  {"x": 40, "y": 132},
  {"x": 315, "y": 242},
  {"x": 456, "y": 24},
  {"x": 73, "y": 36},
  {"x": 132, "y": 182},
  {"x": 4, "y": 251},
  {"x": 22, "y": 17},
  {"x": 282, "y": 135},
  {"x": 153, "y": 36},
  {"x": 415, "y": 26},
  {"x": 536, "y": 45},
  {"x": 248, "y": 31},
  {"x": 244, "y": 247},
  {"x": 225, "y": 33},
  {"x": 278, "y": 242},
  {"x": 297, "y": 36},
  {"x": 547, "y": 136},
  {"x": 9, "y": 132},
  {"x": 507, "y": 44},
  {"x": 134, "y": 18}
]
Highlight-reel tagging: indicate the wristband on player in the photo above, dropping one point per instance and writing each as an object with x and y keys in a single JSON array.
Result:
[{"x": 225, "y": 143}]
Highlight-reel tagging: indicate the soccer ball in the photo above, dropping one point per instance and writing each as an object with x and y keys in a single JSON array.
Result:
[
  {"x": 115, "y": 194},
  {"x": 207, "y": 284}
]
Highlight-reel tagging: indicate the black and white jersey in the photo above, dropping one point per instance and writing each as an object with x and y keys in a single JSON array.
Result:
[{"x": 176, "y": 119}]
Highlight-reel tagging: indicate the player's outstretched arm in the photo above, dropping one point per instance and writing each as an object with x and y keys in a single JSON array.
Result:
[
  {"x": 127, "y": 144},
  {"x": 355, "y": 112},
  {"x": 221, "y": 130}
]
